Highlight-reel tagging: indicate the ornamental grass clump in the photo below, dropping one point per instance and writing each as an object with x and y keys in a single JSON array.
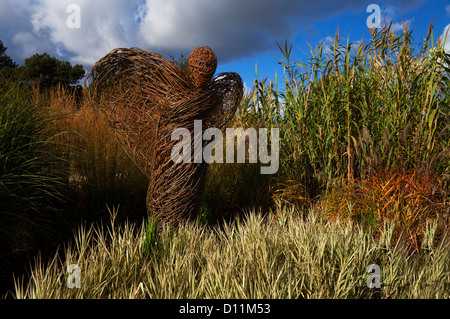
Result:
[
  {"x": 407, "y": 199},
  {"x": 31, "y": 179},
  {"x": 287, "y": 256},
  {"x": 145, "y": 98}
]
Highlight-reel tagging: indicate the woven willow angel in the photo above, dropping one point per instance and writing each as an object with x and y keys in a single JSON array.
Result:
[{"x": 145, "y": 98}]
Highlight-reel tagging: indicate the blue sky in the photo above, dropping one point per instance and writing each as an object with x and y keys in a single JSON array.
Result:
[
  {"x": 352, "y": 24},
  {"x": 241, "y": 32}
]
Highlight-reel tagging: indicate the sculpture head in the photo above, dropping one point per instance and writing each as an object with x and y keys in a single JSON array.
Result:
[{"x": 202, "y": 64}]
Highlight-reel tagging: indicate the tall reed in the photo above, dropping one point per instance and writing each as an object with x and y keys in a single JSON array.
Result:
[{"x": 350, "y": 110}]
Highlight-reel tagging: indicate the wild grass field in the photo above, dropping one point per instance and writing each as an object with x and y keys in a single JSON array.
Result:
[{"x": 364, "y": 179}]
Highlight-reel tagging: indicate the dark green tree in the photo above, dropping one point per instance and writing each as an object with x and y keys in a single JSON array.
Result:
[
  {"x": 7, "y": 66},
  {"x": 181, "y": 62},
  {"x": 5, "y": 60},
  {"x": 47, "y": 71}
]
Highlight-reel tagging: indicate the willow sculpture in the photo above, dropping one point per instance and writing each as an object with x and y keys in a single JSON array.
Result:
[{"x": 145, "y": 98}]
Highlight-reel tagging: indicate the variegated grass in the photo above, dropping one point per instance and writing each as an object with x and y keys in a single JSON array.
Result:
[{"x": 280, "y": 255}]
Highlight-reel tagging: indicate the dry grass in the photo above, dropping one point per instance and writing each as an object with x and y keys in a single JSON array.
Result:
[{"x": 101, "y": 172}]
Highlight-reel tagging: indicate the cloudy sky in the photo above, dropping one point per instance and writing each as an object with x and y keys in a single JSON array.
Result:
[{"x": 242, "y": 33}]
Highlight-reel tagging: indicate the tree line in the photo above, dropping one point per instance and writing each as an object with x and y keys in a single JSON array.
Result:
[{"x": 41, "y": 70}]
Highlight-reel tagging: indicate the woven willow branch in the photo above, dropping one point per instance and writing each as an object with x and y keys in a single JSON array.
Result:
[{"x": 145, "y": 98}]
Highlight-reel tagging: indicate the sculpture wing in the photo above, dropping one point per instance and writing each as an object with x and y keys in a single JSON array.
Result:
[
  {"x": 228, "y": 90},
  {"x": 138, "y": 92}
]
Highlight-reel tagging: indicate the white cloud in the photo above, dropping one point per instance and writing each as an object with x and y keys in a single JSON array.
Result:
[
  {"x": 398, "y": 26},
  {"x": 389, "y": 14},
  {"x": 232, "y": 28},
  {"x": 105, "y": 25},
  {"x": 29, "y": 43},
  {"x": 447, "y": 10},
  {"x": 328, "y": 45},
  {"x": 247, "y": 89},
  {"x": 447, "y": 40}
]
